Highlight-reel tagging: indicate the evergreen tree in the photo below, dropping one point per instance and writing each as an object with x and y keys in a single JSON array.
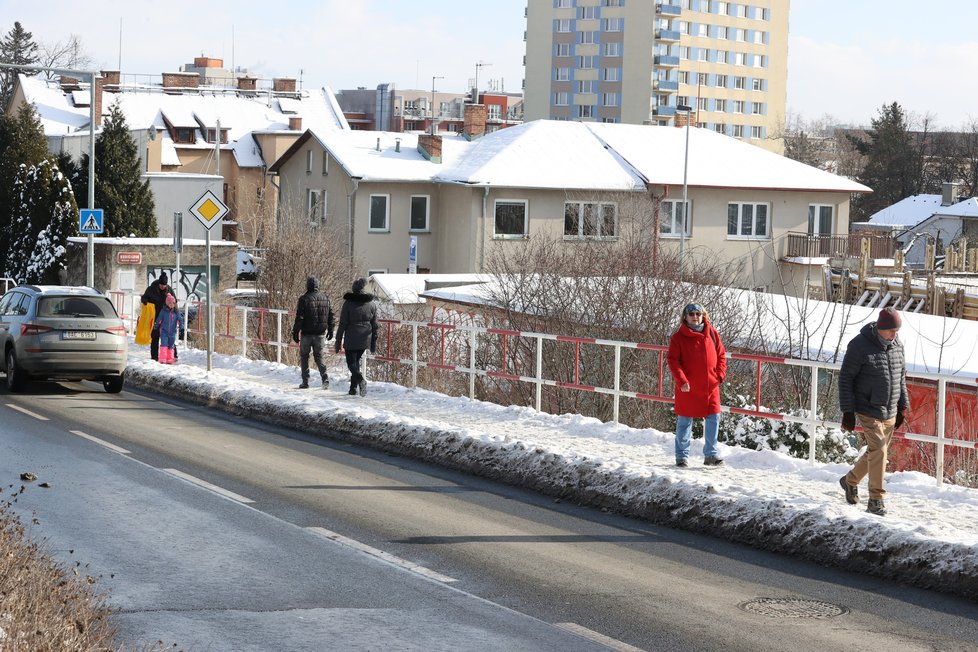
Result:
[
  {"x": 16, "y": 47},
  {"x": 45, "y": 216},
  {"x": 22, "y": 142},
  {"x": 894, "y": 163},
  {"x": 127, "y": 200}
]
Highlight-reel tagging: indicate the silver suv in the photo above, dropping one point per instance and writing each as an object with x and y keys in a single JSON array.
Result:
[{"x": 61, "y": 333}]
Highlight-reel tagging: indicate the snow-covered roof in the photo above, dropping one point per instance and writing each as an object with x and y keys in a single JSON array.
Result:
[
  {"x": 715, "y": 160},
  {"x": 553, "y": 154},
  {"x": 407, "y": 288},
  {"x": 965, "y": 208},
  {"x": 906, "y": 212},
  {"x": 144, "y": 106},
  {"x": 543, "y": 154}
]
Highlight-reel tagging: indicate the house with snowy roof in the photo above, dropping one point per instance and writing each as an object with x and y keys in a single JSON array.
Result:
[
  {"x": 469, "y": 197},
  {"x": 191, "y": 137}
]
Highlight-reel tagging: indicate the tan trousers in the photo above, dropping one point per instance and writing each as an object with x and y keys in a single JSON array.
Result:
[{"x": 877, "y": 434}]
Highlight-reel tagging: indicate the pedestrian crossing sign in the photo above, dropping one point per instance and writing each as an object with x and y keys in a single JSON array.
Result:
[{"x": 91, "y": 220}]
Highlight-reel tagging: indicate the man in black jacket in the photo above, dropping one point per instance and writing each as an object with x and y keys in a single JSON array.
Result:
[
  {"x": 873, "y": 386},
  {"x": 313, "y": 319}
]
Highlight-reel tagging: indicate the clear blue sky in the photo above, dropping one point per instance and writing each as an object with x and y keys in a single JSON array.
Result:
[{"x": 846, "y": 57}]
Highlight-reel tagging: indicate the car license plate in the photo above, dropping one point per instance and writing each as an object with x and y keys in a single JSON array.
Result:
[{"x": 78, "y": 335}]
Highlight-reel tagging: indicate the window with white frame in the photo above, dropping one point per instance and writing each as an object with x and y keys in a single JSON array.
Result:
[
  {"x": 684, "y": 52},
  {"x": 562, "y": 49},
  {"x": 614, "y": 24},
  {"x": 325, "y": 162},
  {"x": 722, "y": 32},
  {"x": 760, "y": 38},
  {"x": 720, "y": 128},
  {"x": 760, "y": 61},
  {"x": 590, "y": 220},
  {"x": 703, "y": 104},
  {"x": 757, "y": 108},
  {"x": 742, "y": 10},
  {"x": 308, "y": 160},
  {"x": 723, "y": 56},
  {"x": 820, "y": 219},
  {"x": 316, "y": 206},
  {"x": 420, "y": 212},
  {"x": 379, "y": 219},
  {"x": 682, "y": 26},
  {"x": 748, "y": 220},
  {"x": 721, "y": 81},
  {"x": 757, "y": 132},
  {"x": 588, "y": 61},
  {"x": 588, "y": 38},
  {"x": 740, "y": 83},
  {"x": 738, "y": 131},
  {"x": 739, "y": 58},
  {"x": 739, "y": 106},
  {"x": 757, "y": 84},
  {"x": 611, "y": 99},
  {"x": 587, "y": 86},
  {"x": 585, "y": 111},
  {"x": 612, "y": 74},
  {"x": 587, "y": 13},
  {"x": 702, "y": 29},
  {"x": 722, "y": 8},
  {"x": 740, "y": 34},
  {"x": 703, "y": 54},
  {"x": 494, "y": 111},
  {"x": 671, "y": 217},
  {"x": 612, "y": 3},
  {"x": 612, "y": 49},
  {"x": 561, "y": 99},
  {"x": 703, "y": 79},
  {"x": 562, "y": 4},
  {"x": 683, "y": 76},
  {"x": 563, "y": 25},
  {"x": 562, "y": 74},
  {"x": 721, "y": 105},
  {"x": 511, "y": 219}
]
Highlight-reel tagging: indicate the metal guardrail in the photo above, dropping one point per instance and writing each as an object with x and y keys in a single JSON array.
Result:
[{"x": 267, "y": 325}]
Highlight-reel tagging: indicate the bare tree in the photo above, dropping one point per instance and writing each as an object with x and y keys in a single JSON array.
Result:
[{"x": 66, "y": 53}]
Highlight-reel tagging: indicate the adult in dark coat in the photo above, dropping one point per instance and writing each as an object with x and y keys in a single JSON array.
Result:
[
  {"x": 156, "y": 294},
  {"x": 313, "y": 321},
  {"x": 698, "y": 362},
  {"x": 873, "y": 387},
  {"x": 357, "y": 331}
]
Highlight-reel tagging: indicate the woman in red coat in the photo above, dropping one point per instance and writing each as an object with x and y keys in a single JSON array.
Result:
[{"x": 698, "y": 363}]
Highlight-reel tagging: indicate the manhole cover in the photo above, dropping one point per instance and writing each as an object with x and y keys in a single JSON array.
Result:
[{"x": 792, "y": 608}]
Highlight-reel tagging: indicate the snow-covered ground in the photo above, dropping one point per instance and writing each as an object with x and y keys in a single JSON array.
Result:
[{"x": 762, "y": 498}]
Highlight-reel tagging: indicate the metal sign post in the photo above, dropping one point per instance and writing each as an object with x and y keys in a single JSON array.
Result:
[
  {"x": 413, "y": 255},
  {"x": 209, "y": 210},
  {"x": 177, "y": 249}
]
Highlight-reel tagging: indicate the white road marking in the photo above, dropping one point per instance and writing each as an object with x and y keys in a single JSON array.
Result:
[
  {"x": 397, "y": 561},
  {"x": 27, "y": 412},
  {"x": 598, "y": 638},
  {"x": 111, "y": 447},
  {"x": 207, "y": 485}
]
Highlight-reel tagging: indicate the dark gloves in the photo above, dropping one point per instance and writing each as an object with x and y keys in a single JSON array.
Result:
[
  {"x": 848, "y": 421},
  {"x": 183, "y": 333},
  {"x": 899, "y": 418},
  {"x": 373, "y": 346},
  {"x": 329, "y": 334},
  {"x": 295, "y": 336}
]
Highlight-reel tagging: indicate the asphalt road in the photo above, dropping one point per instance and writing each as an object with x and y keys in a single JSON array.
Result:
[{"x": 317, "y": 545}]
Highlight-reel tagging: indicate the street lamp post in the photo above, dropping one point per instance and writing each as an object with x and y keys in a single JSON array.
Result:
[
  {"x": 433, "y": 128},
  {"x": 475, "y": 90},
  {"x": 682, "y": 225}
]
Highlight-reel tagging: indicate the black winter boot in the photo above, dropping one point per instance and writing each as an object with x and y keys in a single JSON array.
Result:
[{"x": 354, "y": 383}]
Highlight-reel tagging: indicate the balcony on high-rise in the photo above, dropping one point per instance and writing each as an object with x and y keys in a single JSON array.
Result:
[
  {"x": 668, "y": 10},
  {"x": 666, "y": 60},
  {"x": 666, "y": 35},
  {"x": 666, "y": 85}
]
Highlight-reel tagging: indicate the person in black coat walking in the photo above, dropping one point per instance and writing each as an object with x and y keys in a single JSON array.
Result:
[
  {"x": 313, "y": 320},
  {"x": 358, "y": 327},
  {"x": 156, "y": 293},
  {"x": 873, "y": 386}
]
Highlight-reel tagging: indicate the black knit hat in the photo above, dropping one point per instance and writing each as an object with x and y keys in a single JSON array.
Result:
[
  {"x": 359, "y": 284},
  {"x": 164, "y": 279}
]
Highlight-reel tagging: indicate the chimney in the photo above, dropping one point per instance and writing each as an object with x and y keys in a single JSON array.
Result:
[
  {"x": 430, "y": 147},
  {"x": 247, "y": 83},
  {"x": 180, "y": 80},
  {"x": 207, "y": 62},
  {"x": 283, "y": 85},
  {"x": 684, "y": 117},
  {"x": 474, "y": 124},
  {"x": 295, "y": 123},
  {"x": 112, "y": 79},
  {"x": 949, "y": 193},
  {"x": 99, "y": 82}
]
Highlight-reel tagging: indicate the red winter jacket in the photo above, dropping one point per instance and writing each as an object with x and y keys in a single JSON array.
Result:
[{"x": 700, "y": 360}]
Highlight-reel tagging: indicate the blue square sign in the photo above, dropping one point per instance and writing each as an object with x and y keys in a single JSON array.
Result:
[{"x": 90, "y": 220}]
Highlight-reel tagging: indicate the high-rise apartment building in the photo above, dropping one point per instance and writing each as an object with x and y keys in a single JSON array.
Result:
[{"x": 642, "y": 61}]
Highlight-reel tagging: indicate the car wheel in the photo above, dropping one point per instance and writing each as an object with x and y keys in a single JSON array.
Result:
[
  {"x": 114, "y": 385},
  {"x": 15, "y": 375}
]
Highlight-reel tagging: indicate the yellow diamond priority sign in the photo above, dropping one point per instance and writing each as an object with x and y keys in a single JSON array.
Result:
[{"x": 209, "y": 210}]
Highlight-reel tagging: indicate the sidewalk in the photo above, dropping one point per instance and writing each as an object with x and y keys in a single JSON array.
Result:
[{"x": 768, "y": 500}]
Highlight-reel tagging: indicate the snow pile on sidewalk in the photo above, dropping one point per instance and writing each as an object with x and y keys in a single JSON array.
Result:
[{"x": 765, "y": 499}]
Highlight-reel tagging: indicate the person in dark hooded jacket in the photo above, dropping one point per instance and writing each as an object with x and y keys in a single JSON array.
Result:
[
  {"x": 313, "y": 320},
  {"x": 357, "y": 331},
  {"x": 156, "y": 293},
  {"x": 873, "y": 387}
]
